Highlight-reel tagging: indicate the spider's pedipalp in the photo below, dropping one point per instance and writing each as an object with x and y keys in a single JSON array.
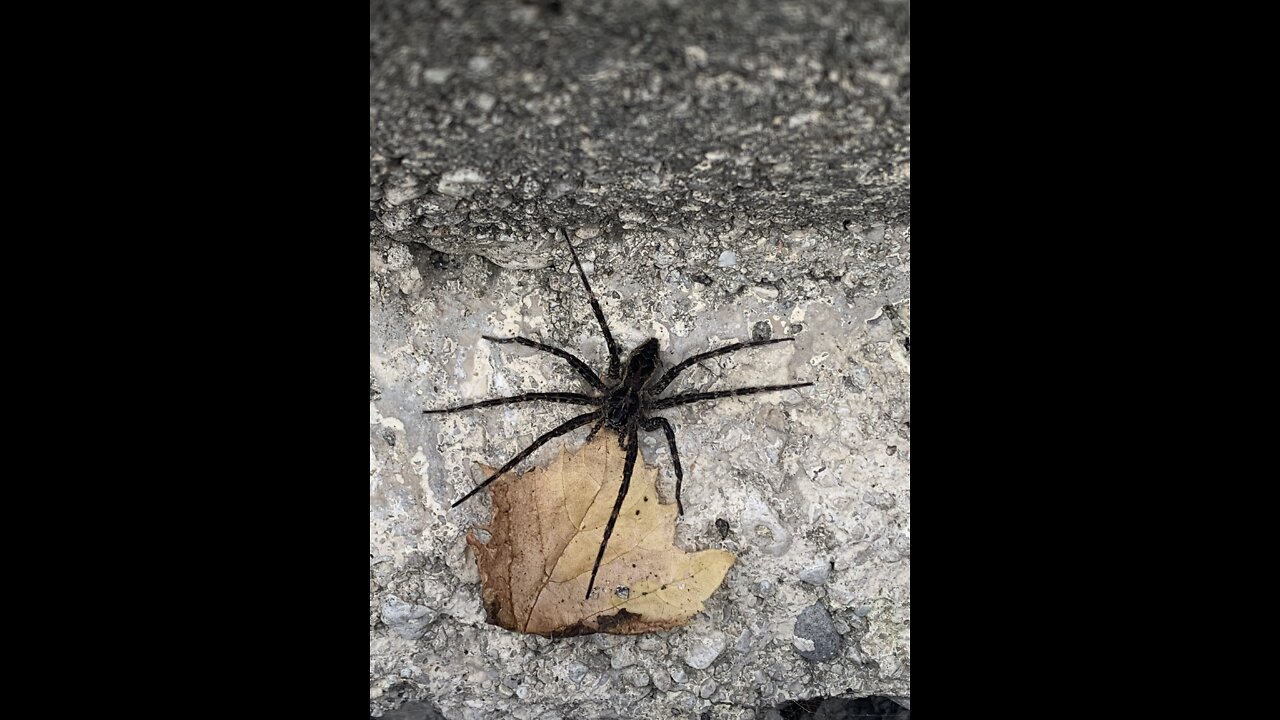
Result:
[
  {"x": 582, "y": 369},
  {"x": 567, "y": 426},
  {"x": 687, "y": 398},
  {"x": 574, "y": 398},
  {"x": 671, "y": 374}
]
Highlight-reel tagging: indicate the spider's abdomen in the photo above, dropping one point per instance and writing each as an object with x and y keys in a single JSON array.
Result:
[{"x": 642, "y": 363}]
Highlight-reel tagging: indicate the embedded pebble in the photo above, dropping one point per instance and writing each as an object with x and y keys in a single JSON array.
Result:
[
  {"x": 436, "y": 76},
  {"x": 637, "y": 677},
  {"x": 650, "y": 645},
  {"x": 662, "y": 680},
  {"x": 575, "y": 670},
  {"x": 408, "y": 621},
  {"x": 678, "y": 674},
  {"x": 764, "y": 588},
  {"x": 817, "y": 574},
  {"x": 815, "y": 627},
  {"x": 705, "y": 650},
  {"x": 708, "y": 688},
  {"x": 622, "y": 658},
  {"x": 728, "y": 258}
]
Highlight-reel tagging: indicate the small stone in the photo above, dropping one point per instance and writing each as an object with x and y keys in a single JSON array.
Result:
[
  {"x": 662, "y": 681},
  {"x": 728, "y": 258},
  {"x": 637, "y": 677},
  {"x": 840, "y": 596},
  {"x": 814, "y": 625},
  {"x": 651, "y": 645},
  {"x": 708, "y": 689},
  {"x": 407, "y": 620},
  {"x": 576, "y": 671},
  {"x": 460, "y": 183},
  {"x": 436, "y": 76},
  {"x": 817, "y": 574},
  {"x": 705, "y": 650},
  {"x": 764, "y": 588},
  {"x": 621, "y": 658},
  {"x": 678, "y": 674}
]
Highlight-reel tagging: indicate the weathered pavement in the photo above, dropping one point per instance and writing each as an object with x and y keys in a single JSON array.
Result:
[{"x": 727, "y": 171}]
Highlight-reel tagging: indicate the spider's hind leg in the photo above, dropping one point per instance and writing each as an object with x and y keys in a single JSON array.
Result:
[
  {"x": 567, "y": 426},
  {"x": 632, "y": 448},
  {"x": 595, "y": 428},
  {"x": 658, "y": 423},
  {"x": 574, "y": 398}
]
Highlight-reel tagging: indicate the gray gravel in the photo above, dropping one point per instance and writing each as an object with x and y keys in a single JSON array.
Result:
[
  {"x": 728, "y": 171},
  {"x": 817, "y": 638}
]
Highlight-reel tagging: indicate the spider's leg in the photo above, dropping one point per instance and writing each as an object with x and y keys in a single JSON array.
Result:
[
  {"x": 567, "y": 426},
  {"x": 575, "y": 398},
  {"x": 687, "y": 398},
  {"x": 615, "y": 363},
  {"x": 658, "y": 423},
  {"x": 587, "y": 373},
  {"x": 595, "y": 428},
  {"x": 671, "y": 374},
  {"x": 632, "y": 447}
]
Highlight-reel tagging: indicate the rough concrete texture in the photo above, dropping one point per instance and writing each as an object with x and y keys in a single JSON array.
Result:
[{"x": 728, "y": 171}]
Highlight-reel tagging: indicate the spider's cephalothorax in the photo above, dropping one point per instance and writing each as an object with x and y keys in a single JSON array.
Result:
[{"x": 623, "y": 405}]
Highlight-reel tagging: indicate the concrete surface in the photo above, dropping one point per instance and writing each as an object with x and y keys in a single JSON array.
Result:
[{"x": 728, "y": 171}]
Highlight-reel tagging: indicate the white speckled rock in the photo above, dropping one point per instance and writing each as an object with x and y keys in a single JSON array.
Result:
[{"x": 704, "y": 650}]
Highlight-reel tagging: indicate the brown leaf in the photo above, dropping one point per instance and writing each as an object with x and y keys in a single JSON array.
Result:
[{"x": 546, "y": 532}]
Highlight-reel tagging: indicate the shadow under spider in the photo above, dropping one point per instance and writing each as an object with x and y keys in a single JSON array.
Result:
[{"x": 623, "y": 403}]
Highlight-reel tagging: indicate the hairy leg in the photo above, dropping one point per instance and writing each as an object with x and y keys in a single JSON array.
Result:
[
  {"x": 657, "y": 423},
  {"x": 687, "y": 398},
  {"x": 632, "y": 447},
  {"x": 615, "y": 362},
  {"x": 574, "y": 398},
  {"x": 595, "y": 428},
  {"x": 567, "y": 426},
  {"x": 671, "y": 374},
  {"x": 587, "y": 373}
]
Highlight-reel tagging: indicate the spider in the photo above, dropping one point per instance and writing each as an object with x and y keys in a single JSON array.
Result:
[{"x": 623, "y": 404}]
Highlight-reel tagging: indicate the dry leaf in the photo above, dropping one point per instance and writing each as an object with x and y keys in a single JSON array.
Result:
[{"x": 546, "y": 532}]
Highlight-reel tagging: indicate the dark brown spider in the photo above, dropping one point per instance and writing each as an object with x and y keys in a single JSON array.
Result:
[{"x": 623, "y": 404}]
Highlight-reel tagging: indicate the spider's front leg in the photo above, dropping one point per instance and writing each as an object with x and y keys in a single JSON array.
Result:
[{"x": 574, "y": 361}]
